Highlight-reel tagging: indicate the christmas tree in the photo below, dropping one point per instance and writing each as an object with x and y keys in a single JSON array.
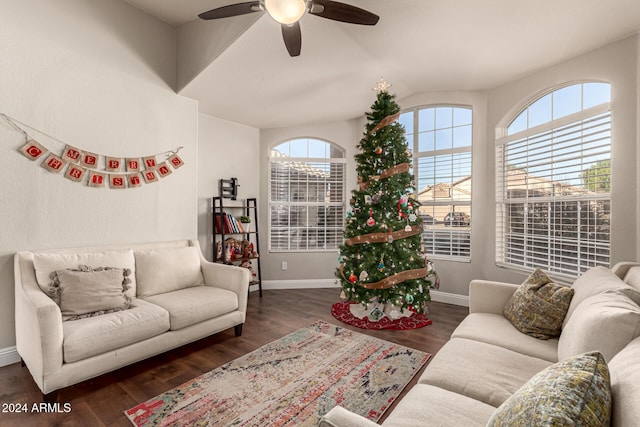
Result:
[{"x": 383, "y": 261}]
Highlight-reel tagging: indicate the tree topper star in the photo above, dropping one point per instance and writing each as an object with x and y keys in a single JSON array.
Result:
[{"x": 382, "y": 86}]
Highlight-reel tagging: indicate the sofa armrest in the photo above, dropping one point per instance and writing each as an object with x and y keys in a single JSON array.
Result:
[
  {"x": 39, "y": 333},
  {"x": 230, "y": 277},
  {"x": 621, "y": 268},
  {"x": 486, "y": 296},
  {"x": 340, "y": 417}
]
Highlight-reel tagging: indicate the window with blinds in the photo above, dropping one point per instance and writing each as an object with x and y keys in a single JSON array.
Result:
[
  {"x": 441, "y": 138},
  {"x": 307, "y": 181},
  {"x": 553, "y": 183}
]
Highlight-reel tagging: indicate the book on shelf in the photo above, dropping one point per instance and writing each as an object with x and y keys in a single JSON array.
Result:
[{"x": 230, "y": 224}]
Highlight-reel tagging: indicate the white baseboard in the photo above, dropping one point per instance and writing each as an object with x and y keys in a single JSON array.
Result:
[
  {"x": 445, "y": 297},
  {"x": 9, "y": 356}
]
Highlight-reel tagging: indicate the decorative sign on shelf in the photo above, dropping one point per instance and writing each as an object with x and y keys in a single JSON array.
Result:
[{"x": 97, "y": 170}]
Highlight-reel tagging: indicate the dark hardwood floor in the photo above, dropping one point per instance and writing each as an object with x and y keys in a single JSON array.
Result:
[{"x": 102, "y": 401}]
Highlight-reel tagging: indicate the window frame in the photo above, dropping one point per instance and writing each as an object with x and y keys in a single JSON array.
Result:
[
  {"x": 306, "y": 160},
  {"x": 455, "y": 235},
  {"x": 503, "y": 256}
]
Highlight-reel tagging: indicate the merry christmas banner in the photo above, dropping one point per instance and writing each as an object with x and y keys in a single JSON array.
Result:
[{"x": 98, "y": 170}]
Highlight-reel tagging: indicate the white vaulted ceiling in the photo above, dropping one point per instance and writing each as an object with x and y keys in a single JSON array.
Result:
[{"x": 239, "y": 70}]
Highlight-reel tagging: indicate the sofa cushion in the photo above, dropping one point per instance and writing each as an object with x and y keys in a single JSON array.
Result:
[
  {"x": 538, "y": 307},
  {"x": 87, "y": 291},
  {"x": 497, "y": 330},
  {"x": 606, "y": 322},
  {"x": 89, "y": 337},
  {"x": 426, "y": 405},
  {"x": 625, "y": 386},
  {"x": 46, "y": 263},
  {"x": 189, "y": 306},
  {"x": 166, "y": 270},
  {"x": 481, "y": 371},
  {"x": 574, "y": 392},
  {"x": 595, "y": 281}
]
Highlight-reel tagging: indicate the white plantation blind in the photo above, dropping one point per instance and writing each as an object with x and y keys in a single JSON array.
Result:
[
  {"x": 306, "y": 201},
  {"x": 553, "y": 192},
  {"x": 441, "y": 139}
]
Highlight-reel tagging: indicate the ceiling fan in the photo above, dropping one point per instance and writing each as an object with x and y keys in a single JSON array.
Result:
[{"x": 289, "y": 12}]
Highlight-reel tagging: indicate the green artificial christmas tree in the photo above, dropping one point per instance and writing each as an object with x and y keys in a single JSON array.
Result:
[{"x": 383, "y": 261}]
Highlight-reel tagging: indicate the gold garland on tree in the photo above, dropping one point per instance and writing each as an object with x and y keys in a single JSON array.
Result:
[{"x": 391, "y": 281}]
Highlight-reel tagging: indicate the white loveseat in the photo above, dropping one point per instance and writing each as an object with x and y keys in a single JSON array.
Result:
[
  {"x": 172, "y": 295},
  {"x": 487, "y": 359}
]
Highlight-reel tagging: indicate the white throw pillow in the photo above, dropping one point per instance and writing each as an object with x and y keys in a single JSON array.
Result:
[
  {"x": 595, "y": 281},
  {"x": 606, "y": 322},
  {"x": 46, "y": 263},
  {"x": 165, "y": 270}
]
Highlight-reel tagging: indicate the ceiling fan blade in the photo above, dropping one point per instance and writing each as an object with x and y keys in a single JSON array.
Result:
[
  {"x": 231, "y": 10},
  {"x": 342, "y": 12},
  {"x": 292, "y": 38}
]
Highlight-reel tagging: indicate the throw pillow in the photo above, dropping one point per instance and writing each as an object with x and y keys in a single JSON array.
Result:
[
  {"x": 168, "y": 269},
  {"x": 537, "y": 308},
  {"x": 46, "y": 263},
  {"x": 576, "y": 391},
  {"x": 88, "y": 292},
  {"x": 596, "y": 281},
  {"x": 606, "y": 322}
]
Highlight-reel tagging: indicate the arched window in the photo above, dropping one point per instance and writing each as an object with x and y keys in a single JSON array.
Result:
[
  {"x": 553, "y": 182},
  {"x": 441, "y": 140},
  {"x": 307, "y": 182}
]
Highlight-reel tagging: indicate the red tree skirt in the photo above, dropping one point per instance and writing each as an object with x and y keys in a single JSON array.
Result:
[{"x": 341, "y": 311}]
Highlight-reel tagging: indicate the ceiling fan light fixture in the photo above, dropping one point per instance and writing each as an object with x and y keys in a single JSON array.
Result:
[{"x": 286, "y": 12}]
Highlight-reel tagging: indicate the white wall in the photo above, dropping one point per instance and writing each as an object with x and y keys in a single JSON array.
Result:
[
  {"x": 97, "y": 75},
  {"x": 225, "y": 150}
]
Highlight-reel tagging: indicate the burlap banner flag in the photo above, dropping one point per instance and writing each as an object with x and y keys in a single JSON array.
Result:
[
  {"x": 150, "y": 176},
  {"x": 53, "y": 163},
  {"x": 133, "y": 164},
  {"x": 112, "y": 164},
  {"x": 163, "y": 170},
  {"x": 149, "y": 162},
  {"x": 32, "y": 150},
  {"x": 176, "y": 161},
  {"x": 75, "y": 173},
  {"x": 72, "y": 154},
  {"x": 117, "y": 181},
  {"x": 134, "y": 180},
  {"x": 89, "y": 160}
]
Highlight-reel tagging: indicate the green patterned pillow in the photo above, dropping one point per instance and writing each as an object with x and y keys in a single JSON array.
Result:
[
  {"x": 575, "y": 391},
  {"x": 538, "y": 307}
]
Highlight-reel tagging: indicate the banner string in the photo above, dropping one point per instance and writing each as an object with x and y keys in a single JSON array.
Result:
[{"x": 17, "y": 125}]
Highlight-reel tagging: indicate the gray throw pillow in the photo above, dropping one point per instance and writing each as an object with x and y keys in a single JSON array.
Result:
[
  {"x": 538, "y": 307},
  {"x": 87, "y": 292}
]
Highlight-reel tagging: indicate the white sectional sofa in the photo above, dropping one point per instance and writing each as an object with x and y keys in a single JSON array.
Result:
[
  {"x": 83, "y": 312},
  {"x": 488, "y": 361}
]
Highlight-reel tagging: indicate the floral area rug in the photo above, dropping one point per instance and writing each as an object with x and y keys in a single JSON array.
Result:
[
  {"x": 342, "y": 312},
  {"x": 293, "y": 381}
]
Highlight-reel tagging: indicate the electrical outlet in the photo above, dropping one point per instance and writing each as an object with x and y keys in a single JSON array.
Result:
[{"x": 284, "y": 265}]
